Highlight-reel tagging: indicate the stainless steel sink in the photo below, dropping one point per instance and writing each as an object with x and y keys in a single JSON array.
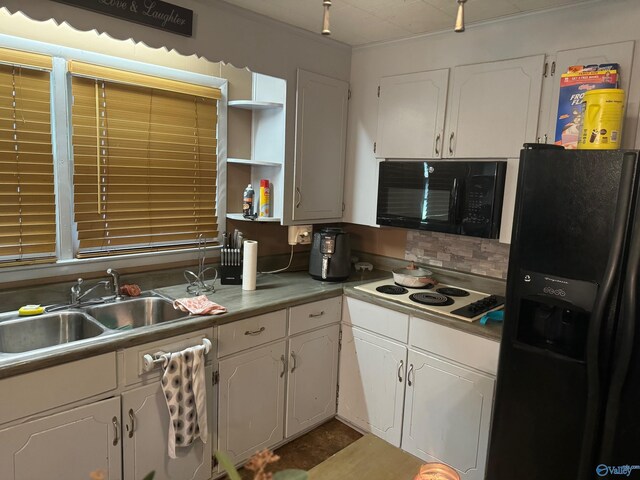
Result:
[
  {"x": 25, "y": 334},
  {"x": 135, "y": 312}
]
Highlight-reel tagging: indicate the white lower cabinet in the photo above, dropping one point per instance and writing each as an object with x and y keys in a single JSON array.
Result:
[
  {"x": 251, "y": 405},
  {"x": 372, "y": 383},
  {"x": 68, "y": 445},
  {"x": 145, "y": 431},
  {"x": 447, "y": 414},
  {"x": 266, "y": 362},
  {"x": 430, "y": 404},
  {"x": 312, "y": 381}
]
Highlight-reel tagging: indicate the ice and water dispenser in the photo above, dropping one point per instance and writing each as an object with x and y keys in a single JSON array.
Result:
[{"x": 553, "y": 313}]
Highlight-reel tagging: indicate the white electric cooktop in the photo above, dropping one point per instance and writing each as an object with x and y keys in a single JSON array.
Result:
[{"x": 448, "y": 300}]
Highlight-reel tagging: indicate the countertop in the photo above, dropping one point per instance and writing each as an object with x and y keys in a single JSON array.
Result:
[{"x": 273, "y": 292}]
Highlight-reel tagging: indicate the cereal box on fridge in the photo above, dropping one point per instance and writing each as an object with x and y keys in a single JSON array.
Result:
[{"x": 573, "y": 84}]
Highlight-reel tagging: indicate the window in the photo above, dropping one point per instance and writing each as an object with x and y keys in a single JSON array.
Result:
[
  {"x": 144, "y": 161},
  {"x": 27, "y": 198}
]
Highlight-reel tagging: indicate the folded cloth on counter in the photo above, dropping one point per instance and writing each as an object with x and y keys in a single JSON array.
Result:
[
  {"x": 198, "y": 306},
  {"x": 184, "y": 387}
]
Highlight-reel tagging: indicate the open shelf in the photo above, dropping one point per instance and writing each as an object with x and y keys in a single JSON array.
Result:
[
  {"x": 238, "y": 216},
  {"x": 260, "y": 163},
  {"x": 253, "y": 105}
]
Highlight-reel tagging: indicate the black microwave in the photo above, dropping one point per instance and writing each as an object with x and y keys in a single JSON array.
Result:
[{"x": 459, "y": 197}]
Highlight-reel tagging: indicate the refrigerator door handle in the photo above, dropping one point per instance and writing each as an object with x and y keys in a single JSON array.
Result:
[
  {"x": 624, "y": 343},
  {"x": 594, "y": 402}
]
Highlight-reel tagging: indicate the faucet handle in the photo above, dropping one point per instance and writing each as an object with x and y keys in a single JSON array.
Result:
[{"x": 75, "y": 291}]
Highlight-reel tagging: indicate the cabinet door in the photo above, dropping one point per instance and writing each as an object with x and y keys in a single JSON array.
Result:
[
  {"x": 313, "y": 378},
  {"x": 68, "y": 445},
  {"x": 321, "y": 132},
  {"x": 145, "y": 419},
  {"x": 621, "y": 53},
  {"x": 251, "y": 405},
  {"x": 371, "y": 383},
  {"x": 447, "y": 414},
  {"x": 493, "y": 108},
  {"x": 411, "y": 115}
]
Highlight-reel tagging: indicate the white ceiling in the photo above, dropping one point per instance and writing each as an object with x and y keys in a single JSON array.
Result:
[{"x": 357, "y": 22}]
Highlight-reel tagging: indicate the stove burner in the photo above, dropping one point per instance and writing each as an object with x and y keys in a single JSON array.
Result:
[
  {"x": 452, "y": 292},
  {"x": 435, "y": 299},
  {"x": 392, "y": 289}
]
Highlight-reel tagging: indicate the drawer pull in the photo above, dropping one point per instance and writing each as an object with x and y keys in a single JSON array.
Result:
[
  {"x": 295, "y": 361},
  {"x": 409, "y": 382},
  {"x": 314, "y": 315},
  {"x": 133, "y": 423},
  {"x": 255, "y": 332},
  {"x": 116, "y": 429},
  {"x": 284, "y": 365},
  {"x": 400, "y": 370}
]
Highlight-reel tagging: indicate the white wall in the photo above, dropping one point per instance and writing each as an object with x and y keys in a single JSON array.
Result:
[
  {"x": 602, "y": 22},
  {"x": 226, "y": 33}
]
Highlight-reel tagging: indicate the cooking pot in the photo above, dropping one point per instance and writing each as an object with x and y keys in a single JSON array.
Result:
[{"x": 413, "y": 277}]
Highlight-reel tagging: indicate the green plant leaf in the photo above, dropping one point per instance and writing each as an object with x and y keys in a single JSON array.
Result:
[
  {"x": 150, "y": 475},
  {"x": 291, "y": 475},
  {"x": 228, "y": 466}
]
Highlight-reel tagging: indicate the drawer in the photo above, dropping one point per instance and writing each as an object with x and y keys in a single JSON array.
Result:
[
  {"x": 52, "y": 387},
  {"x": 134, "y": 368},
  {"x": 315, "y": 314},
  {"x": 250, "y": 332},
  {"x": 465, "y": 348},
  {"x": 376, "y": 319}
]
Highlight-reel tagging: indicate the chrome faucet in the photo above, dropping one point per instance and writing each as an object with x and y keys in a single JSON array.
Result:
[
  {"x": 116, "y": 284},
  {"x": 76, "y": 290}
]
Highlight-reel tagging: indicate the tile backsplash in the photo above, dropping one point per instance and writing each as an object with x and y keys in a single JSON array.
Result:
[{"x": 467, "y": 254}]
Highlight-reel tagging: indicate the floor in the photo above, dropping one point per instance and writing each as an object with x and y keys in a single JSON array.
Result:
[{"x": 312, "y": 448}]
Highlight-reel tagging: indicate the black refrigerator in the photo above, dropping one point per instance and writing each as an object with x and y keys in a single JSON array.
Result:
[{"x": 568, "y": 389}]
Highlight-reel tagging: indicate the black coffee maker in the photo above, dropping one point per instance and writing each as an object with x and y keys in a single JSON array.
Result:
[{"x": 330, "y": 258}]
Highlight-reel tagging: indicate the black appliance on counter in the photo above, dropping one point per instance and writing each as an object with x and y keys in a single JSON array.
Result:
[
  {"x": 461, "y": 197},
  {"x": 330, "y": 257},
  {"x": 568, "y": 388}
]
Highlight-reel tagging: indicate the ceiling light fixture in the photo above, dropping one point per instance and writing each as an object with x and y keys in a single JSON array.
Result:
[
  {"x": 460, "y": 17},
  {"x": 325, "y": 17}
]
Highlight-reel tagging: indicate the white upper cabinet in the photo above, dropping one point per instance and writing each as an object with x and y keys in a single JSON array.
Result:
[
  {"x": 621, "y": 53},
  {"x": 321, "y": 130},
  {"x": 411, "y": 112},
  {"x": 493, "y": 108}
]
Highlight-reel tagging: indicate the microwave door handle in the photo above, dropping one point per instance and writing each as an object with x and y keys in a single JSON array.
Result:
[{"x": 454, "y": 213}]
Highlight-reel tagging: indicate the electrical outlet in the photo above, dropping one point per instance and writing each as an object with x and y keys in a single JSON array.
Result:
[{"x": 300, "y": 234}]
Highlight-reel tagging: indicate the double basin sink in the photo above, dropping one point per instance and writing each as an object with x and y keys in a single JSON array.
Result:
[{"x": 82, "y": 322}]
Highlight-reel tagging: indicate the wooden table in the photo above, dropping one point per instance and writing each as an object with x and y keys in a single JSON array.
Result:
[{"x": 368, "y": 458}]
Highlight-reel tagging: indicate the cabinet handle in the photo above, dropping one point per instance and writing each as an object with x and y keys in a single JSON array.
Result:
[
  {"x": 437, "y": 144},
  {"x": 409, "y": 382},
  {"x": 255, "y": 332},
  {"x": 284, "y": 365},
  {"x": 132, "y": 418},
  {"x": 298, "y": 197},
  {"x": 116, "y": 430},
  {"x": 451, "y": 144},
  {"x": 295, "y": 361},
  {"x": 400, "y": 369},
  {"x": 313, "y": 315}
]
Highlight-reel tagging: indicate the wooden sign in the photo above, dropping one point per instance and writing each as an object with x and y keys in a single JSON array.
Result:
[{"x": 153, "y": 13}]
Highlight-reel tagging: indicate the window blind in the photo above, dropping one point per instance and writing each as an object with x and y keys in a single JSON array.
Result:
[
  {"x": 144, "y": 161},
  {"x": 27, "y": 197}
]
